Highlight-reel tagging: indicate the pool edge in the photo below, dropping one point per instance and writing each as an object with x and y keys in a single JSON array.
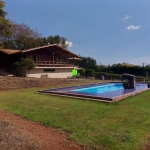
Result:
[
  {"x": 118, "y": 98},
  {"x": 91, "y": 97}
]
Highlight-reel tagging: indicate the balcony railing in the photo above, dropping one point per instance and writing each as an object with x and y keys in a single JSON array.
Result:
[{"x": 53, "y": 64}]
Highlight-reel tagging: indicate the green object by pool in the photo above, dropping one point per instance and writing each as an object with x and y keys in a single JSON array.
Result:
[{"x": 74, "y": 72}]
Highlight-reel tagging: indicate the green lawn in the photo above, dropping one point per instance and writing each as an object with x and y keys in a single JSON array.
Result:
[{"x": 116, "y": 126}]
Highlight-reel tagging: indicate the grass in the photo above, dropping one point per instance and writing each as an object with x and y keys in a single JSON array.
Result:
[{"x": 116, "y": 126}]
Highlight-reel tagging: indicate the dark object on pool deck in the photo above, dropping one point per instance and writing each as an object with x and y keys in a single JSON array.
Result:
[
  {"x": 128, "y": 81},
  {"x": 148, "y": 84}
]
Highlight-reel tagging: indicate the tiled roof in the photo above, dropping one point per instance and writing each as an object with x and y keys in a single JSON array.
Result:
[
  {"x": 52, "y": 45},
  {"x": 9, "y": 51}
]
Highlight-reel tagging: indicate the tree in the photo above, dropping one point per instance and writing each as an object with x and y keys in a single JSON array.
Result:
[
  {"x": 23, "y": 37},
  {"x": 5, "y": 25},
  {"x": 24, "y": 63},
  {"x": 88, "y": 63},
  {"x": 82, "y": 72},
  {"x": 57, "y": 40},
  {"x": 28, "y": 64}
]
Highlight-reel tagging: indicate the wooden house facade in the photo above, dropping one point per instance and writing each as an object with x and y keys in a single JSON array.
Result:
[{"x": 50, "y": 60}]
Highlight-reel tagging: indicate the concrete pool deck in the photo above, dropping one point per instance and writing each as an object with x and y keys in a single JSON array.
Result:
[{"x": 104, "y": 97}]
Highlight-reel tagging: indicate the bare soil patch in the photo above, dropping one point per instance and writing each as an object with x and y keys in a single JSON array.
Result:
[
  {"x": 147, "y": 146},
  {"x": 17, "y": 133}
]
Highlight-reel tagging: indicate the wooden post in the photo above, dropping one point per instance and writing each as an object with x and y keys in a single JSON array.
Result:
[
  {"x": 73, "y": 61},
  {"x": 36, "y": 57},
  {"x": 22, "y": 54},
  {"x": 67, "y": 60},
  {"x": 53, "y": 59}
]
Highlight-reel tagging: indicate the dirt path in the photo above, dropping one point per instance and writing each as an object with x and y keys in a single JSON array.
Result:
[{"x": 17, "y": 133}]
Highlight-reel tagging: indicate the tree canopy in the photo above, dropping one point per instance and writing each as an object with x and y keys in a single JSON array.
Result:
[
  {"x": 88, "y": 63},
  {"x": 21, "y": 36},
  {"x": 57, "y": 40},
  {"x": 26, "y": 63},
  {"x": 5, "y": 25}
]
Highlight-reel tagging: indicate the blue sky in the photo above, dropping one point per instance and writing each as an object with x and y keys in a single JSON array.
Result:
[{"x": 110, "y": 31}]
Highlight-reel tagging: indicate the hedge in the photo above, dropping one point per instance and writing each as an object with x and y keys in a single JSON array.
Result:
[
  {"x": 108, "y": 76},
  {"x": 89, "y": 73},
  {"x": 86, "y": 72}
]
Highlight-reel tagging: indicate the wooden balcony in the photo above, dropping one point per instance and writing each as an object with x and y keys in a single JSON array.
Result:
[{"x": 53, "y": 64}]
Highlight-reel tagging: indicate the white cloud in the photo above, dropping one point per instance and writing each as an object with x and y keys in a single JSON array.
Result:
[
  {"x": 132, "y": 27},
  {"x": 70, "y": 44},
  {"x": 126, "y": 17}
]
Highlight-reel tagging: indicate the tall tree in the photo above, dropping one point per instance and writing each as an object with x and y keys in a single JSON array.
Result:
[
  {"x": 23, "y": 37},
  {"x": 5, "y": 25}
]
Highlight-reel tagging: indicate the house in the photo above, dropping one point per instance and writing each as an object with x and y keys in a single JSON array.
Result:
[{"x": 52, "y": 61}]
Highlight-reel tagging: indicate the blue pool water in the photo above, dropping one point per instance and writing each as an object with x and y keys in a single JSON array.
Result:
[
  {"x": 100, "y": 91},
  {"x": 102, "y": 88}
]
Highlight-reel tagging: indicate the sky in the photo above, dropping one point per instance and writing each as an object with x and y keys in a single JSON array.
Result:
[{"x": 110, "y": 31}]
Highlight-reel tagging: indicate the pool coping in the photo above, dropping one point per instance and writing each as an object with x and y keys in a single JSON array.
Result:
[{"x": 91, "y": 97}]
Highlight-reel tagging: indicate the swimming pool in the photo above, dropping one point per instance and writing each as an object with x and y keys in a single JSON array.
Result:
[
  {"x": 104, "y": 88},
  {"x": 107, "y": 92}
]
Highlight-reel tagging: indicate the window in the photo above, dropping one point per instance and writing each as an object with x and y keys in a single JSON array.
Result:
[{"x": 49, "y": 70}]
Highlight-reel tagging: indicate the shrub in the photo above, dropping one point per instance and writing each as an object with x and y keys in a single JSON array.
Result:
[
  {"x": 89, "y": 73},
  {"x": 28, "y": 64},
  {"x": 23, "y": 66},
  {"x": 82, "y": 72},
  {"x": 107, "y": 76}
]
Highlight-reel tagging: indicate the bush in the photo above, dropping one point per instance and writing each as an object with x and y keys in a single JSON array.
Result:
[
  {"x": 141, "y": 79},
  {"x": 89, "y": 73},
  {"x": 82, "y": 72},
  {"x": 28, "y": 64},
  {"x": 86, "y": 72},
  {"x": 108, "y": 76},
  {"x": 23, "y": 66}
]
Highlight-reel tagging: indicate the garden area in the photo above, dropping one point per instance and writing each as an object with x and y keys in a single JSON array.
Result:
[
  {"x": 91, "y": 125},
  {"x": 32, "y": 121}
]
